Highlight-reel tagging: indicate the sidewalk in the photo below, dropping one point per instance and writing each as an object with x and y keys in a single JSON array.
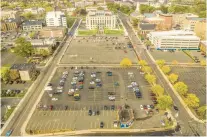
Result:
[{"x": 177, "y": 95}]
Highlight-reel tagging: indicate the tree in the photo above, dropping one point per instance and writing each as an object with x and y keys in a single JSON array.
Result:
[
  {"x": 158, "y": 90},
  {"x": 166, "y": 69},
  {"x": 147, "y": 69},
  {"x": 173, "y": 78},
  {"x": 70, "y": 21},
  {"x": 160, "y": 63},
  {"x": 23, "y": 48},
  {"x": 164, "y": 102},
  {"x": 126, "y": 62},
  {"x": 142, "y": 63},
  {"x": 32, "y": 34},
  {"x": 146, "y": 9},
  {"x": 44, "y": 52},
  {"x": 28, "y": 15},
  {"x": 151, "y": 79},
  {"x": 100, "y": 8},
  {"x": 135, "y": 22},
  {"x": 203, "y": 63},
  {"x": 5, "y": 73},
  {"x": 164, "y": 9},
  {"x": 148, "y": 43},
  {"x": 181, "y": 88},
  {"x": 202, "y": 111},
  {"x": 192, "y": 100},
  {"x": 14, "y": 74},
  {"x": 83, "y": 12}
]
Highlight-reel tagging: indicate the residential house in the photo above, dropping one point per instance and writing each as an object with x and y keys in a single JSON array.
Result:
[
  {"x": 35, "y": 10},
  {"x": 9, "y": 24},
  {"x": 32, "y": 25},
  {"x": 25, "y": 71}
]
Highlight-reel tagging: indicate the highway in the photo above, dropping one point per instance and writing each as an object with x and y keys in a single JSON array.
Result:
[
  {"x": 184, "y": 120},
  {"x": 28, "y": 101}
]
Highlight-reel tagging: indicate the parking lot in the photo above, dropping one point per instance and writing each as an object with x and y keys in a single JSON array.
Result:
[
  {"x": 98, "y": 50},
  {"x": 195, "y": 79},
  {"x": 97, "y": 99},
  {"x": 179, "y": 56}
]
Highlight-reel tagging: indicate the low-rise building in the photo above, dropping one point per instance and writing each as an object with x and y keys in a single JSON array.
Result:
[
  {"x": 175, "y": 39},
  {"x": 83, "y": 3},
  {"x": 51, "y": 32},
  {"x": 145, "y": 28},
  {"x": 9, "y": 24},
  {"x": 189, "y": 23},
  {"x": 43, "y": 44},
  {"x": 101, "y": 20},
  {"x": 26, "y": 71},
  {"x": 35, "y": 10},
  {"x": 178, "y": 19},
  {"x": 32, "y": 25},
  {"x": 200, "y": 29},
  {"x": 7, "y": 14}
]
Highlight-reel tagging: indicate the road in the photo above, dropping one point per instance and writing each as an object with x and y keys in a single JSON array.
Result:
[
  {"x": 28, "y": 102},
  {"x": 183, "y": 117}
]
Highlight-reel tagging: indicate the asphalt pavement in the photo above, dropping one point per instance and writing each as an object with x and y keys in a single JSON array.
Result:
[
  {"x": 19, "y": 118},
  {"x": 183, "y": 117}
]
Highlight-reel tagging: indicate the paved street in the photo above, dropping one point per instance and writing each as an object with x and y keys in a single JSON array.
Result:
[
  {"x": 28, "y": 102},
  {"x": 183, "y": 117}
]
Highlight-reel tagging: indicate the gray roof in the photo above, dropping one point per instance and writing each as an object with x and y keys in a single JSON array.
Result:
[
  {"x": 25, "y": 66},
  {"x": 140, "y": 1},
  {"x": 33, "y": 22},
  {"x": 147, "y": 26}
]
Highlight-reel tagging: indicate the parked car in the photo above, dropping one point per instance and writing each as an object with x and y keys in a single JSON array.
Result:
[
  {"x": 66, "y": 107},
  {"x": 54, "y": 99},
  {"x": 145, "y": 106},
  {"x": 141, "y": 107},
  {"x": 9, "y": 132},
  {"x": 91, "y": 87},
  {"x": 89, "y": 112},
  {"x": 148, "y": 107},
  {"x": 175, "y": 108},
  {"x": 98, "y": 112},
  {"x": 101, "y": 125},
  {"x": 112, "y": 98},
  {"x": 105, "y": 107},
  {"x": 112, "y": 107},
  {"x": 51, "y": 107}
]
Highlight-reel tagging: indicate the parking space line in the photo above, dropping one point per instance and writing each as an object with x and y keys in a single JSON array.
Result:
[
  {"x": 53, "y": 125},
  {"x": 58, "y": 123},
  {"x": 49, "y": 125},
  {"x": 68, "y": 113},
  {"x": 107, "y": 125},
  {"x": 45, "y": 127},
  {"x": 95, "y": 125},
  {"x": 91, "y": 125},
  {"x": 36, "y": 127},
  {"x": 61, "y": 127}
]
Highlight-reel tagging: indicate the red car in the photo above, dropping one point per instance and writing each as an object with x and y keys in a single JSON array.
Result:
[
  {"x": 51, "y": 107},
  {"x": 80, "y": 82},
  {"x": 125, "y": 51},
  {"x": 145, "y": 106}
]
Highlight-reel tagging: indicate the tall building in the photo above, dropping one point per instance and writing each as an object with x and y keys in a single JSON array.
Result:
[
  {"x": 56, "y": 19},
  {"x": 200, "y": 29},
  {"x": 101, "y": 19},
  {"x": 176, "y": 39}
]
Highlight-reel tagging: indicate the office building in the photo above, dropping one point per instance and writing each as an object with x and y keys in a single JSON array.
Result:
[
  {"x": 56, "y": 19},
  {"x": 176, "y": 39},
  {"x": 32, "y": 25},
  {"x": 101, "y": 20}
]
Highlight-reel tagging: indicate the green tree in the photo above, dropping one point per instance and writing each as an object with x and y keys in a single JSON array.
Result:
[
  {"x": 164, "y": 9},
  {"x": 166, "y": 69},
  {"x": 100, "y": 8},
  {"x": 44, "y": 53},
  {"x": 151, "y": 79},
  {"x": 147, "y": 69},
  {"x": 126, "y": 62},
  {"x": 14, "y": 74},
  {"x": 160, "y": 63},
  {"x": 181, "y": 88},
  {"x": 70, "y": 21},
  {"x": 173, "y": 78},
  {"x": 142, "y": 63},
  {"x": 23, "y": 47},
  {"x": 192, "y": 100},
  {"x": 164, "y": 102},
  {"x": 146, "y": 9},
  {"x": 83, "y": 12},
  {"x": 28, "y": 16},
  {"x": 148, "y": 43},
  {"x": 5, "y": 73},
  {"x": 32, "y": 34},
  {"x": 203, "y": 63},
  {"x": 135, "y": 22},
  {"x": 158, "y": 90},
  {"x": 202, "y": 111}
]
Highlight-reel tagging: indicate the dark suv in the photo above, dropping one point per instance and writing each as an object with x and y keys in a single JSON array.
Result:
[{"x": 89, "y": 112}]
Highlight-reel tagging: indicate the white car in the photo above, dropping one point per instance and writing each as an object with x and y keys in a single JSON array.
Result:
[
  {"x": 92, "y": 82},
  {"x": 98, "y": 80},
  {"x": 148, "y": 107},
  {"x": 48, "y": 88},
  {"x": 59, "y": 88},
  {"x": 130, "y": 73},
  {"x": 130, "y": 86},
  {"x": 75, "y": 78},
  {"x": 111, "y": 98},
  {"x": 93, "y": 75},
  {"x": 65, "y": 73},
  {"x": 73, "y": 82},
  {"x": 141, "y": 107},
  {"x": 54, "y": 99}
]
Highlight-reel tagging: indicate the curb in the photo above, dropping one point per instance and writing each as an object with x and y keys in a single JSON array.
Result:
[{"x": 175, "y": 92}]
